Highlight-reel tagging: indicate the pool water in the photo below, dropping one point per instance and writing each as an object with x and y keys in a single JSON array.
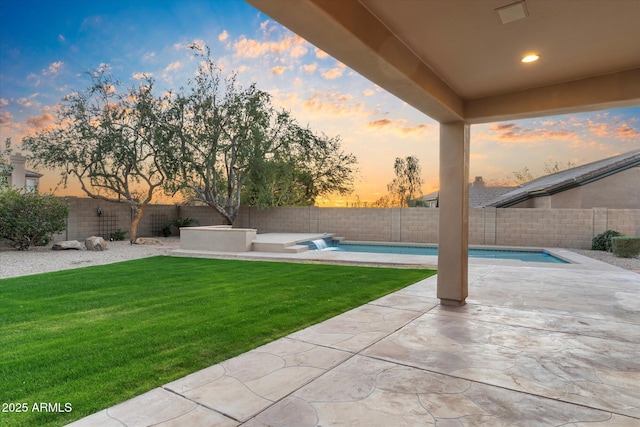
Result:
[{"x": 526, "y": 256}]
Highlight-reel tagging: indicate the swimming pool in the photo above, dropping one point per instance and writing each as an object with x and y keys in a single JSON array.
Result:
[{"x": 521, "y": 255}]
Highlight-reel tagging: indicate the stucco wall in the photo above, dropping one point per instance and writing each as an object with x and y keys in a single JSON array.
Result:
[{"x": 618, "y": 191}]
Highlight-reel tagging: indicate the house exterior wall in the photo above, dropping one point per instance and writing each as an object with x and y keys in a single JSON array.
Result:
[{"x": 618, "y": 191}]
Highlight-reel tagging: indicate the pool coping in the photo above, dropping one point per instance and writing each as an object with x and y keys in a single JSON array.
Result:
[{"x": 576, "y": 261}]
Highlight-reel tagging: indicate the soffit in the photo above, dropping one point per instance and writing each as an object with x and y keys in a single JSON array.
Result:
[{"x": 455, "y": 60}]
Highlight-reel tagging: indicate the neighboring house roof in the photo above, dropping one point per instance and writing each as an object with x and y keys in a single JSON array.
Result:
[
  {"x": 27, "y": 173},
  {"x": 570, "y": 178},
  {"x": 479, "y": 193}
]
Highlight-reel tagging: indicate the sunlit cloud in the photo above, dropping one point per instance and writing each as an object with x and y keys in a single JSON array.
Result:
[
  {"x": 278, "y": 70},
  {"x": 321, "y": 54},
  {"x": 172, "y": 67},
  {"x": 514, "y": 134},
  {"x": 369, "y": 92},
  {"x": 334, "y": 73},
  {"x": 250, "y": 48},
  {"x": 149, "y": 56},
  {"x": 141, "y": 76},
  {"x": 310, "y": 68},
  {"x": 398, "y": 126},
  {"x": 3, "y": 102},
  {"x": 223, "y": 36},
  {"x": 5, "y": 118},
  {"x": 53, "y": 69},
  {"x": 40, "y": 122},
  {"x": 627, "y": 132}
]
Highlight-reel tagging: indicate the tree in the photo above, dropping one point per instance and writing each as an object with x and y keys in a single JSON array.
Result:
[
  {"x": 116, "y": 142},
  {"x": 30, "y": 219},
  {"x": 523, "y": 175},
  {"x": 235, "y": 146},
  {"x": 407, "y": 184}
]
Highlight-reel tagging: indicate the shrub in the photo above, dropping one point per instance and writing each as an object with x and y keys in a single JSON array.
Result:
[
  {"x": 166, "y": 229},
  {"x": 117, "y": 235},
  {"x": 602, "y": 242},
  {"x": 184, "y": 222},
  {"x": 30, "y": 219},
  {"x": 626, "y": 246}
]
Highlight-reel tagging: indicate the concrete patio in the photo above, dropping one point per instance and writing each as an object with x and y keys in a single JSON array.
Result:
[{"x": 535, "y": 345}]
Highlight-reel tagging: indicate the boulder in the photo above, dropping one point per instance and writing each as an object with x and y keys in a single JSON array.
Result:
[
  {"x": 67, "y": 244},
  {"x": 147, "y": 241},
  {"x": 95, "y": 243}
]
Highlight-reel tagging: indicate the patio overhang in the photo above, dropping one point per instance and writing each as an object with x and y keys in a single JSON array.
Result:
[{"x": 459, "y": 63}]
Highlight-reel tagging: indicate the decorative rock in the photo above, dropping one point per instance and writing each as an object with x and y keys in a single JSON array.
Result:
[
  {"x": 67, "y": 244},
  {"x": 95, "y": 243},
  {"x": 147, "y": 241}
]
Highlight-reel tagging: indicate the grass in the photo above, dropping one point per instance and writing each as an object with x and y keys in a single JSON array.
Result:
[{"x": 96, "y": 336}]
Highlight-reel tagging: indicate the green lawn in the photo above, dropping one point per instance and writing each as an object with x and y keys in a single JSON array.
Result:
[{"x": 96, "y": 336}]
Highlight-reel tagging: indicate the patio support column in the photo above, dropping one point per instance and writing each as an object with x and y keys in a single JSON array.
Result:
[{"x": 453, "y": 202}]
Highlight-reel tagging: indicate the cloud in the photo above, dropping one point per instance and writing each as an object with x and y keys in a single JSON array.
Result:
[
  {"x": 141, "y": 76},
  {"x": 512, "y": 133},
  {"x": 278, "y": 70},
  {"x": 223, "y": 36},
  {"x": 5, "y": 118},
  {"x": 310, "y": 68},
  {"x": 613, "y": 129},
  {"x": 61, "y": 38},
  {"x": 172, "y": 67},
  {"x": 197, "y": 44},
  {"x": 398, "y": 126},
  {"x": 54, "y": 69},
  {"x": 294, "y": 46},
  {"x": 334, "y": 73},
  {"x": 321, "y": 54},
  {"x": 148, "y": 56},
  {"x": 626, "y": 132},
  {"x": 369, "y": 92},
  {"x": 40, "y": 122},
  {"x": 3, "y": 102}
]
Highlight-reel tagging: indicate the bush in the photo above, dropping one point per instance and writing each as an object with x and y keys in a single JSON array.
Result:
[
  {"x": 184, "y": 222},
  {"x": 626, "y": 246},
  {"x": 117, "y": 235},
  {"x": 30, "y": 219},
  {"x": 602, "y": 242}
]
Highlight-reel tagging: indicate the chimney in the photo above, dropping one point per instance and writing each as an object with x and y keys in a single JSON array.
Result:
[
  {"x": 478, "y": 182},
  {"x": 18, "y": 178}
]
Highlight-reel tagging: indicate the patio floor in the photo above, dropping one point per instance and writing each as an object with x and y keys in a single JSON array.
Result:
[{"x": 535, "y": 345}]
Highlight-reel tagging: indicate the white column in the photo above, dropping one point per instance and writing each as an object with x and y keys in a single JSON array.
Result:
[
  {"x": 18, "y": 177},
  {"x": 453, "y": 230}
]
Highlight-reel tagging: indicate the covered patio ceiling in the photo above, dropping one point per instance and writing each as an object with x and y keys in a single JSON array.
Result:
[{"x": 455, "y": 60}]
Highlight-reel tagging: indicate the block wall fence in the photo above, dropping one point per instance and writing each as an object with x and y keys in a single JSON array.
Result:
[{"x": 569, "y": 228}]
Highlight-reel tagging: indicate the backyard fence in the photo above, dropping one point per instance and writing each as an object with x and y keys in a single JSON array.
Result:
[{"x": 568, "y": 228}]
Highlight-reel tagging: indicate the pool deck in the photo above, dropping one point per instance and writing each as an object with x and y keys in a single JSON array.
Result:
[{"x": 536, "y": 345}]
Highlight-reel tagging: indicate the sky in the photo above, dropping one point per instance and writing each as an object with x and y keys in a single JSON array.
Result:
[{"x": 46, "y": 46}]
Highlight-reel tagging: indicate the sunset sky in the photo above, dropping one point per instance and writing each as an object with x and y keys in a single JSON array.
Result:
[{"x": 46, "y": 46}]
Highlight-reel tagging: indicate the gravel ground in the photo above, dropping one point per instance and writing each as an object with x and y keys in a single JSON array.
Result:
[
  {"x": 43, "y": 259},
  {"x": 632, "y": 264}
]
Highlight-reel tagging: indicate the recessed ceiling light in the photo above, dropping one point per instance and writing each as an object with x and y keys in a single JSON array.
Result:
[{"x": 530, "y": 58}]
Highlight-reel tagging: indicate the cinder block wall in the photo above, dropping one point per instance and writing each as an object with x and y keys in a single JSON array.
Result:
[
  {"x": 84, "y": 221},
  {"x": 571, "y": 228}
]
